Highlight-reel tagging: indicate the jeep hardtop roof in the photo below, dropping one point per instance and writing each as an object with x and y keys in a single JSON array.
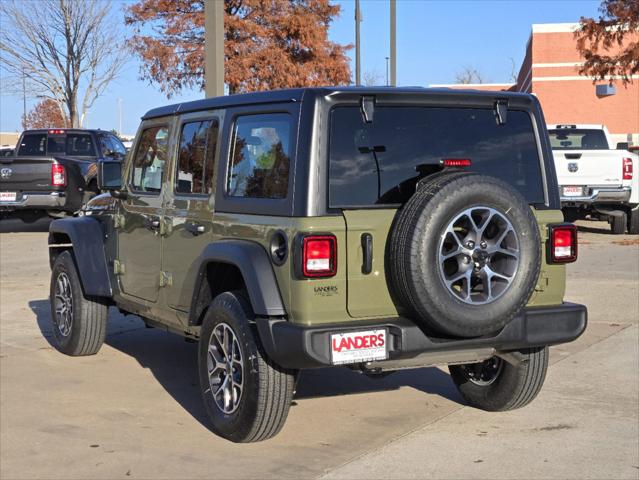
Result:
[{"x": 297, "y": 94}]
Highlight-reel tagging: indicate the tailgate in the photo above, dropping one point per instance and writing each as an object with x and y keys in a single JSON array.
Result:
[
  {"x": 588, "y": 167},
  {"x": 368, "y": 293},
  {"x": 25, "y": 174}
]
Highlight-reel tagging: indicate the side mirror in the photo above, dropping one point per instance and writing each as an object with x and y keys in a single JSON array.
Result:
[
  {"x": 623, "y": 146},
  {"x": 110, "y": 177}
]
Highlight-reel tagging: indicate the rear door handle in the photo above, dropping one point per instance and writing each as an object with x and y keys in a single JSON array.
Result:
[
  {"x": 572, "y": 156},
  {"x": 367, "y": 248},
  {"x": 153, "y": 224},
  {"x": 195, "y": 228}
]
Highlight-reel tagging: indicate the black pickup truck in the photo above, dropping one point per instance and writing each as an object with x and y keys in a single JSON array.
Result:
[{"x": 54, "y": 170}]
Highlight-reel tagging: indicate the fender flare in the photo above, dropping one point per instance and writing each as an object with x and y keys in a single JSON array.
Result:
[
  {"x": 87, "y": 239},
  {"x": 255, "y": 266}
]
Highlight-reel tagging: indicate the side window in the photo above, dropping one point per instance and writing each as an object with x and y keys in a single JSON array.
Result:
[
  {"x": 117, "y": 145},
  {"x": 105, "y": 144},
  {"x": 34, "y": 144},
  {"x": 80, "y": 144},
  {"x": 150, "y": 159},
  {"x": 196, "y": 157},
  {"x": 260, "y": 156}
]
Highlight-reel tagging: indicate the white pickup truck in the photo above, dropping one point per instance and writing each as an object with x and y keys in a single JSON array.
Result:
[{"x": 594, "y": 179}]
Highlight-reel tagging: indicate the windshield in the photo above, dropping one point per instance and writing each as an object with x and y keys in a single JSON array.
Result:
[
  {"x": 578, "y": 139},
  {"x": 380, "y": 163}
]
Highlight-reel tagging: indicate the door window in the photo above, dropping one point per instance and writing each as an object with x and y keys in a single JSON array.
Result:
[
  {"x": 150, "y": 160},
  {"x": 260, "y": 156},
  {"x": 196, "y": 157},
  {"x": 117, "y": 145}
]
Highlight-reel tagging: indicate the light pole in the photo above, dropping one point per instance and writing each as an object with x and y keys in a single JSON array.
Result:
[
  {"x": 214, "y": 47},
  {"x": 386, "y": 71},
  {"x": 358, "y": 70},
  {"x": 24, "y": 101},
  {"x": 120, "y": 116},
  {"x": 393, "y": 42}
]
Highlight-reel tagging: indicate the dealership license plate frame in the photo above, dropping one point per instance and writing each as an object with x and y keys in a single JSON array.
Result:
[
  {"x": 359, "y": 355},
  {"x": 8, "y": 197},
  {"x": 573, "y": 191}
]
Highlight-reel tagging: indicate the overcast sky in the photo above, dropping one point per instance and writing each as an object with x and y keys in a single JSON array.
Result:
[{"x": 435, "y": 39}]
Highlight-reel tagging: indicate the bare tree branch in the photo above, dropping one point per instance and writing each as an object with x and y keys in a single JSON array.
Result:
[
  {"x": 469, "y": 74},
  {"x": 68, "y": 50}
]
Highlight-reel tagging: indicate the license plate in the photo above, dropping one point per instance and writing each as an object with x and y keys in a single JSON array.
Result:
[
  {"x": 573, "y": 191},
  {"x": 357, "y": 347},
  {"x": 8, "y": 196}
]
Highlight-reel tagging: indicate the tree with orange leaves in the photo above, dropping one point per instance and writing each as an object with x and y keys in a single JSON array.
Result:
[
  {"x": 46, "y": 114},
  {"x": 610, "y": 44},
  {"x": 268, "y": 44}
]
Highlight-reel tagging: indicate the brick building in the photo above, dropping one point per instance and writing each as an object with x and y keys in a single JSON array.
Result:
[{"x": 550, "y": 70}]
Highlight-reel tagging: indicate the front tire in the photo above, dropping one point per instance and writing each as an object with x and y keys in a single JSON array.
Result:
[
  {"x": 247, "y": 396},
  {"x": 79, "y": 322},
  {"x": 496, "y": 385}
]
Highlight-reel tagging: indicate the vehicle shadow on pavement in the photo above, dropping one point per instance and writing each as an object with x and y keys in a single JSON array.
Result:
[
  {"x": 30, "y": 224},
  {"x": 173, "y": 363}
]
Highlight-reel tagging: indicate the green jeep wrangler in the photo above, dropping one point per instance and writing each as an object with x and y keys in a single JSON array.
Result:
[{"x": 374, "y": 228}]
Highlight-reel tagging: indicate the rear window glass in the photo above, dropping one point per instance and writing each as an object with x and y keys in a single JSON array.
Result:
[
  {"x": 578, "y": 139},
  {"x": 380, "y": 163},
  {"x": 71, "y": 144},
  {"x": 33, "y": 145}
]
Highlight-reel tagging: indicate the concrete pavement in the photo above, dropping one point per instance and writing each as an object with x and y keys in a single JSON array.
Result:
[{"x": 133, "y": 410}]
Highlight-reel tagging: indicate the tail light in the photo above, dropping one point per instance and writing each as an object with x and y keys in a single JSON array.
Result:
[
  {"x": 563, "y": 243},
  {"x": 319, "y": 256},
  {"x": 627, "y": 168},
  {"x": 58, "y": 176}
]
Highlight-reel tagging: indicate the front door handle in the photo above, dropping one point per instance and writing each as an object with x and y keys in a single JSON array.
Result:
[{"x": 195, "y": 228}]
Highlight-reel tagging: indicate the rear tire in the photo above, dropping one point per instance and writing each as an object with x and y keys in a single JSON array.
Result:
[
  {"x": 79, "y": 322},
  {"x": 509, "y": 387},
  {"x": 618, "y": 223},
  {"x": 254, "y": 404},
  {"x": 633, "y": 221}
]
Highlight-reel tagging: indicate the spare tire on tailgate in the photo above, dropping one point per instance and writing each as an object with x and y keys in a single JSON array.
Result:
[{"x": 465, "y": 254}]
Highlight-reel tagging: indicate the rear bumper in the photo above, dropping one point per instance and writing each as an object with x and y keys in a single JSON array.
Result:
[
  {"x": 599, "y": 195},
  {"x": 296, "y": 346},
  {"x": 36, "y": 201}
]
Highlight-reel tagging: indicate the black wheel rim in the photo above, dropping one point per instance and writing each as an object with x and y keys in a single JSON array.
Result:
[{"x": 484, "y": 373}]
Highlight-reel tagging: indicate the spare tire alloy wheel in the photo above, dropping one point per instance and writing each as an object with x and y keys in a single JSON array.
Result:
[
  {"x": 478, "y": 255},
  {"x": 225, "y": 368},
  {"x": 464, "y": 255}
]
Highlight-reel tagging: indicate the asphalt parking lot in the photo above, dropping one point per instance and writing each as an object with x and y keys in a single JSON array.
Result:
[{"x": 134, "y": 411}]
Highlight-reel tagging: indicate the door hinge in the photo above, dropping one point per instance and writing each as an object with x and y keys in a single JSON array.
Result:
[
  {"x": 166, "y": 226},
  {"x": 166, "y": 279},
  {"x": 118, "y": 267},
  {"x": 118, "y": 220}
]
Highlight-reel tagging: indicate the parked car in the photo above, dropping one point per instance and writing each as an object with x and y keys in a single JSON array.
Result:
[
  {"x": 54, "y": 170},
  {"x": 373, "y": 228},
  {"x": 6, "y": 151},
  {"x": 595, "y": 180}
]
